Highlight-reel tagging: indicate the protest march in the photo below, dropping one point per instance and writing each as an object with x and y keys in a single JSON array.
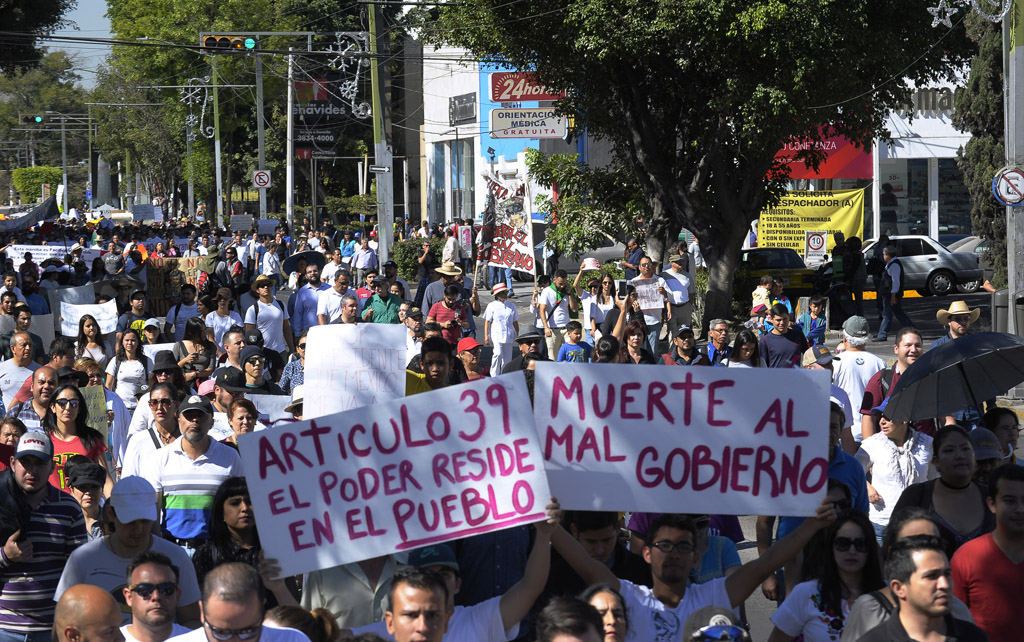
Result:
[{"x": 268, "y": 417}]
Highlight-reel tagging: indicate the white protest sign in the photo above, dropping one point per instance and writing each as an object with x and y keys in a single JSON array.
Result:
[
  {"x": 271, "y": 408},
  {"x": 42, "y": 324},
  {"x": 512, "y": 244},
  {"x": 350, "y": 366},
  {"x": 81, "y": 295},
  {"x": 158, "y": 214},
  {"x": 726, "y": 441},
  {"x": 104, "y": 313},
  {"x": 390, "y": 477},
  {"x": 647, "y": 294},
  {"x": 266, "y": 226},
  {"x": 41, "y": 253}
]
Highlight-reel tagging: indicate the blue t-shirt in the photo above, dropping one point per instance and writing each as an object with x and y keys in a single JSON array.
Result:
[
  {"x": 720, "y": 556},
  {"x": 578, "y": 353},
  {"x": 845, "y": 468},
  {"x": 813, "y": 329}
]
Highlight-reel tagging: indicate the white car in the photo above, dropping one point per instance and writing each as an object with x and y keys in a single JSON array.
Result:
[{"x": 930, "y": 268}]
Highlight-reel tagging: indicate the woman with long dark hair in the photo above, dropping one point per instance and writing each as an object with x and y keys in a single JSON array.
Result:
[
  {"x": 850, "y": 567},
  {"x": 233, "y": 538},
  {"x": 128, "y": 370},
  {"x": 91, "y": 343},
  {"x": 744, "y": 352},
  {"x": 66, "y": 422},
  {"x": 195, "y": 353}
]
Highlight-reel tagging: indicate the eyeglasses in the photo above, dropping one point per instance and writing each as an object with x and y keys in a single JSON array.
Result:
[
  {"x": 160, "y": 403},
  {"x": 843, "y": 544},
  {"x": 227, "y": 634},
  {"x": 64, "y": 403},
  {"x": 301, "y": 346},
  {"x": 167, "y": 372},
  {"x": 666, "y": 547},
  {"x": 262, "y": 285},
  {"x": 146, "y": 589}
]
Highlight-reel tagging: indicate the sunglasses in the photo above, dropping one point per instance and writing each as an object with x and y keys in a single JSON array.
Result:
[
  {"x": 227, "y": 634},
  {"x": 144, "y": 590},
  {"x": 255, "y": 360},
  {"x": 843, "y": 544},
  {"x": 160, "y": 403},
  {"x": 64, "y": 403},
  {"x": 301, "y": 346}
]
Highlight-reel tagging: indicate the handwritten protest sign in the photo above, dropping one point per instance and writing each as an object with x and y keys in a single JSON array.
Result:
[
  {"x": 70, "y": 314},
  {"x": 350, "y": 366},
  {"x": 81, "y": 295},
  {"x": 390, "y": 477},
  {"x": 647, "y": 294},
  {"x": 512, "y": 243},
  {"x": 164, "y": 278},
  {"x": 41, "y": 253},
  {"x": 96, "y": 404},
  {"x": 695, "y": 440}
]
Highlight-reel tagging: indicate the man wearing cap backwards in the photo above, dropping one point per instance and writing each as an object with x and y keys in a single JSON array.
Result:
[
  {"x": 135, "y": 317},
  {"x": 186, "y": 474},
  {"x": 306, "y": 300},
  {"x": 494, "y": 620},
  {"x": 104, "y": 562},
  {"x": 270, "y": 318},
  {"x": 852, "y": 371},
  {"x": 86, "y": 614},
  {"x": 36, "y": 547}
]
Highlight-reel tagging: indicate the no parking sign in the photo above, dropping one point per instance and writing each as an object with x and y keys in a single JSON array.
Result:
[
  {"x": 261, "y": 178},
  {"x": 814, "y": 246}
]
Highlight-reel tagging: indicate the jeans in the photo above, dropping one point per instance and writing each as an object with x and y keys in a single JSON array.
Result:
[
  {"x": 652, "y": 341},
  {"x": 35, "y": 636},
  {"x": 496, "y": 276},
  {"x": 888, "y": 310},
  {"x": 421, "y": 289}
]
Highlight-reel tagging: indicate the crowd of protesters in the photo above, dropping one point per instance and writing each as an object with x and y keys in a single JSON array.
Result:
[{"x": 145, "y": 531}]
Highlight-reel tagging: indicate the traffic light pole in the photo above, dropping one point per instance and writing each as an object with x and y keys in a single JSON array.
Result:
[
  {"x": 216, "y": 145},
  {"x": 259, "y": 133},
  {"x": 381, "y": 149},
  {"x": 64, "y": 163},
  {"x": 289, "y": 172}
]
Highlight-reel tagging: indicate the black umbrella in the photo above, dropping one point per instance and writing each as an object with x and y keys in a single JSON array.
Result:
[
  {"x": 958, "y": 374},
  {"x": 311, "y": 256}
]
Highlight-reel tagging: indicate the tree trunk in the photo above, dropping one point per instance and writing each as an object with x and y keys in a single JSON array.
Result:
[{"x": 722, "y": 254}]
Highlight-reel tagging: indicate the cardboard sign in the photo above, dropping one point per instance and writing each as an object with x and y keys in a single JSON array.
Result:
[
  {"x": 391, "y": 477},
  {"x": 164, "y": 280},
  {"x": 647, "y": 294},
  {"x": 351, "y": 366},
  {"x": 41, "y": 253},
  {"x": 726, "y": 441},
  {"x": 512, "y": 243},
  {"x": 96, "y": 404},
  {"x": 104, "y": 313}
]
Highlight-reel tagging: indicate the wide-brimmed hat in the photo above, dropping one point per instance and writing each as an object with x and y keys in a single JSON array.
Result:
[
  {"x": 957, "y": 308},
  {"x": 296, "y": 404},
  {"x": 529, "y": 333},
  {"x": 498, "y": 288},
  {"x": 449, "y": 268}
]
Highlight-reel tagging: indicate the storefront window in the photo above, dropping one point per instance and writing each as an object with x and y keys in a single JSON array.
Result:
[
  {"x": 954, "y": 200},
  {"x": 437, "y": 201},
  {"x": 462, "y": 178}
]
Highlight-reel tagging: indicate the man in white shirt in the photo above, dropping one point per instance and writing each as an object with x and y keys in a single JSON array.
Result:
[
  {"x": 331, "y": 268},
  {"x": 553, "y": 310},
  {"x": 270, "y": 317},
  {"x": 152, "y": 595},
  {"x": 681, "y": 286},
  {"x": 331, "y": 303},
  {"x": 306, "y": 301},
  {"x": 179, "y": 314},
  {"x": 652, "y": 314},
  {"x": 852, "y": 370},
  {"x": 14, "y": 371}
]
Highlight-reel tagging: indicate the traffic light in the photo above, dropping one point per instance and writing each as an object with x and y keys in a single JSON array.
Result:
[
  {"x": 227, "y": 42},
  {"x": 32, "y": 120}
]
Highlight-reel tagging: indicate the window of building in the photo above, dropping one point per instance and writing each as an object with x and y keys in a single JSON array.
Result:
[
  {"x": 438, "y": 195},
  {"x": 954, "y": 199}
]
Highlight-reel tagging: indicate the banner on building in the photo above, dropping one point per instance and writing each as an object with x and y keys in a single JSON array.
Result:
[
  {"x": 512, "y": 243},
  {"x": 785, "y": 225},
  {"x": 842, "y": 159}
]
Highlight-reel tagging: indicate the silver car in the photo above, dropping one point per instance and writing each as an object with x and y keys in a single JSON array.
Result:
[{"x": 930, "y": 268}]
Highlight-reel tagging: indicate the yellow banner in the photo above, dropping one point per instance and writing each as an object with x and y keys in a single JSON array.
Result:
[{"x": 798, "y": 212}]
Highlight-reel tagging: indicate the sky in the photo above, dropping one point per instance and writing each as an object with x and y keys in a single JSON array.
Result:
[{"x": 91, "y": 23}]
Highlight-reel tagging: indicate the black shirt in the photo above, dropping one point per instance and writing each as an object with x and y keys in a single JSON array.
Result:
[{"x": 892, "y": 631}]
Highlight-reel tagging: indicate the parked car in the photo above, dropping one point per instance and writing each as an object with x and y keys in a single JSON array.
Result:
[
  {"x": 776, "y": 261},
  {"x": 930, "y": 268}
]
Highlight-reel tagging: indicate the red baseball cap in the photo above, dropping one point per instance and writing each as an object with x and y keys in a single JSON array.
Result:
[{"x": 468, "y": 343}]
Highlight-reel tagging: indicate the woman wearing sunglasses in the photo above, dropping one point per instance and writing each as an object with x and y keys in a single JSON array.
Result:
[
  {"x": 294, "y": 371},
  {"x": 65, "y": 423},
  {"x": 846, "y": 567}
]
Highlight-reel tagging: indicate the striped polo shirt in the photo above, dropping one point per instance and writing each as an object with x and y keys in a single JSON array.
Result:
[
  {"x": 55, "y": 529},
  {"x": 188, "y": 485}
]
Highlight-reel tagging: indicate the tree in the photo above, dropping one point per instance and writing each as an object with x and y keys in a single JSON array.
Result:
[
  {"x": 697, "y": 96},
  {"x": 979, "y": 110},
  {"x": 29, "y": 181},
  {"x": 33, "y": 18}
]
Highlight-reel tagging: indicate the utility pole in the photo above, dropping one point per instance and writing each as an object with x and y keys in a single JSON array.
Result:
[
  {"x": 216, "y": 144},
  {"x": 64, "y": 163},
  {"x": 259, "y": 133},
  {"x": 289, "y": 172},
  {"x": 381, "y": 114}
]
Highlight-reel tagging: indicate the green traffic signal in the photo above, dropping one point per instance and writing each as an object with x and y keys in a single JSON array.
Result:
[
  {"x": 38, "y": 119},
  {"x": 250, "y": 43}
]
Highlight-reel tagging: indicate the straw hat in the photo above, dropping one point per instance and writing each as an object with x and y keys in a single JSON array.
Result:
[
  {"x": 957, "y": 308},
  {"x": 449, "y": 268}
]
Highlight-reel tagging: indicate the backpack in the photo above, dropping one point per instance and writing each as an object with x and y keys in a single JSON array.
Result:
[
  {"x": 256, "y": 310},
  {"x": 886, "y": 380}
]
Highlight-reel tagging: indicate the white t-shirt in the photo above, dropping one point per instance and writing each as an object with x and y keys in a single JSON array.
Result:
[
  {"x": 94, "y": 563},
  {"x": 270, "y": 633},
  {"x": 178, "y": 318},
  {"x": 221, "y": 325},
  {"x": 894, "y": 469},
  {"x": 803, "y": 612},
  {"x": 852, "y": 372},
  {"x": 131, "y": 376},
  {"x": 478, "y": 623},
  {"x": 99, "y": 356},
  {"x": 12, "y": 378},
  {"x": 560, "y": 316},
  {"x": 176, "y": 629},
  {"x": 328, "y": 303},
  {"x": 270, "y": 323},
  {"x": 651, "y": 621},
  {"x": 501, "y": 315}
]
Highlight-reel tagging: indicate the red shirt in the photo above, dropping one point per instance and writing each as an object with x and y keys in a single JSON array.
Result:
[
  {"x": 873, "y": 396},
  {"x": 62, "y": 451},
  {"x": 989, "y": 583},
  {"x": 441, "y": 314}
]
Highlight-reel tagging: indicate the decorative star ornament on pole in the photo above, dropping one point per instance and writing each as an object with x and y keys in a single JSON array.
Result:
[{"x": 942, "y": 14}]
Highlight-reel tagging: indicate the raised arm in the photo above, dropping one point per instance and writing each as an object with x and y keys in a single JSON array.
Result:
[{"x": 519, "y": 599}]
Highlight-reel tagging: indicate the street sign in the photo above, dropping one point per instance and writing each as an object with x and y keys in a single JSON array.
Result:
[
  {"x": 527, "y": 123},
  {"x": 261, "y": 178},
  {"x": 379, "y": 169},
  {"x": 1008, "y": 186},
  {"x": 814, "y": 246},
  {"x": 507, "y": 87}
]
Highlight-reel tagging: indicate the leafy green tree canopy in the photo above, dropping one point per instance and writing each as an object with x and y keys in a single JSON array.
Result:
[{"x": 29, "y": 181}]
